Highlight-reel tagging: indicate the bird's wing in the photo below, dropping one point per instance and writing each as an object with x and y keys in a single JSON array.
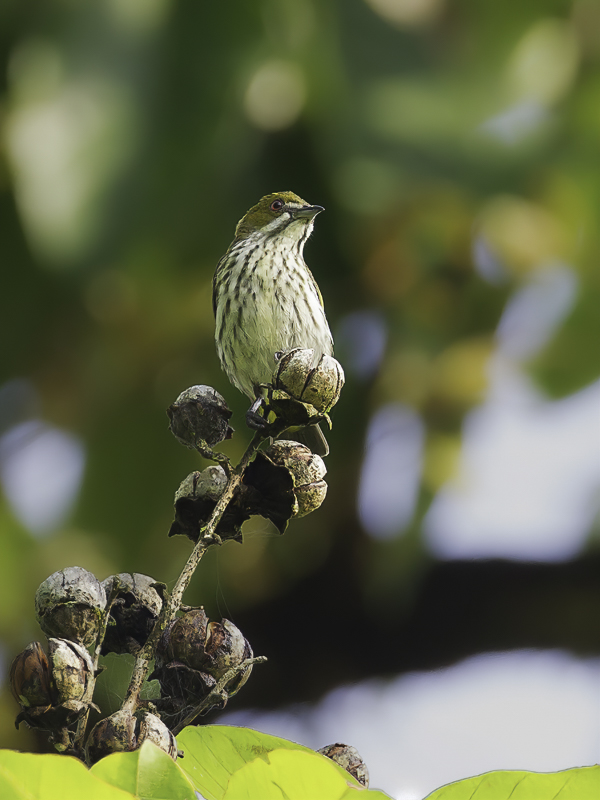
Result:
[{"x": 214, "y": 283}]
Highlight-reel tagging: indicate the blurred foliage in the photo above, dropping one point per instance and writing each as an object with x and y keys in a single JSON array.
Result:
[{"x": 453, "y": 145}]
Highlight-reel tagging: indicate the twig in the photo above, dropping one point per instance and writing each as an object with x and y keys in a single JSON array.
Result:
[
  {"x": 89, "y": 693},
  {"x": 208, "y": 536},
  {"x": 217, "y": 694}
]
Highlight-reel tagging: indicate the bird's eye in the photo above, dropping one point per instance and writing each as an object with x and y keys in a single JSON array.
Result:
[{"x": 276, "y": 205}]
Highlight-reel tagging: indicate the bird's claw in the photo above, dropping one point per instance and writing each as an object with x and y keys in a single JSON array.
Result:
[{"x": 256, "y": 421}]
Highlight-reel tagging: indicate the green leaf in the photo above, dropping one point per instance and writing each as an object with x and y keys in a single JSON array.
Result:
[
  {"x": 571, "y": 784},
  {"x": 227, "y": 763},
  {"x": 147, "y": 773},
  {"x": 294, "y": 775},
  {"x": 32, "y": 776}
]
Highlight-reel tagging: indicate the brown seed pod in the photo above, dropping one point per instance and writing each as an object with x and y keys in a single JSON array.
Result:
[
  {"x": 349, "y": 758},
  {"x": 124, "y": 732},
  {"x": 137, "y": 603},
  {"x": 114, "y": 734},
  {"x": 31, "y": 677},
  {"x": 51, "y": 691},
  {"x": 194, "y": 654},
  {"x": 199, "y": 418},
  {"x": 195, "y": 501}
]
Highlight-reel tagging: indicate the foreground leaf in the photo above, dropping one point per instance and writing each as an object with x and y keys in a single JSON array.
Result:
[
  {"x": 33, "y": 776},
  {"x": 147, "y": 773},
  {"x": 228, "y": 763},
  {"x": 295, "y": 775},
  {"x": 571, "y": 784}
]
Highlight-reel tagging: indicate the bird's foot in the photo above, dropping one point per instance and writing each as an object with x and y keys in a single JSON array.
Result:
[{"x": 254, "y": 419}]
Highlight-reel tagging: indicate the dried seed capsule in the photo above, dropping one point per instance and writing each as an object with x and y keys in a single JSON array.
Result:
[
  {"x": 199, "y": 418},
  {"x": 349, "y": 758},
  {"x": 115, "y": 734},
  {"x": 307, "y": 470},
  {"x": 69, "y": 605},
  {"x": 206, "y": 649},
  {"x": 318, "y": 384},
  {"x": 195, "y": 501},
  {"x": 184, "y": 639},
  {"x": 51, "y": 691},
  {"x": 227, "y": 647},
  {"x": 154, "y": 729},
  {"x": 181, "y": 687},
  {"x": 72, "y": 669},
  {"x": 287, "y": 470},
  {"x": 31, "y": 677},
  {"x": 133, "y": 613}
]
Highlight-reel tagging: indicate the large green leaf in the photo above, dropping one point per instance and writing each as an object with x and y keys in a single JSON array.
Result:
[
  {"x": 147, "y": 773},
  {"x": 571, "y": 784},
  {"x": 32, "y": 776},
  {"x": 228, "y": 763},
  {"x": 294, "y": 775}
]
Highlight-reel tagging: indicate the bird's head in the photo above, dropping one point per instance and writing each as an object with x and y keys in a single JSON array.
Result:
[{"x": 280, "y": 213}]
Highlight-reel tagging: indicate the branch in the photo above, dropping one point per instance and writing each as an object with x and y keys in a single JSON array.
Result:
[
  {"x": 208, "y": 536},
  {"x": 217, "y": 694}
]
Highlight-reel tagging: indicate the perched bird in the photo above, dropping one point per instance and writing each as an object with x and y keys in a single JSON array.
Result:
[{"x": 266, "y": 301}]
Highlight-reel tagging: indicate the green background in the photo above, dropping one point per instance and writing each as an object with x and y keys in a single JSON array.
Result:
[{"x": 133, "y": 136}]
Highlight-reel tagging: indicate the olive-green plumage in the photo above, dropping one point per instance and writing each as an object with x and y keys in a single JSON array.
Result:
[{"x": 265, "y": 298}]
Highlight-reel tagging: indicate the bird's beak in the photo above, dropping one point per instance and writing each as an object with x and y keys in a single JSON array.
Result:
[{"x": 306, "y": 212}]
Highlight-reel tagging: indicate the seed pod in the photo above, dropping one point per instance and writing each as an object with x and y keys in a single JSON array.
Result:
[
  {"x": 194, "y": 654},
  {"x": 115, "y": 734},
  {"x": 51, "y": 692},
  {"x": 195, "y": 501},
  {"x": 69, "y": 605},
  {"x": 184, "y": 639},
  {"x": 227, "y": 647},
  {"x": 199, "y": 418},
  {"x": 72, "y": 669},
  {"x": 212, "y": 647},
  {"x": 288, "y": 481},
  {"x": 307, "y": 470},
  {"x": 319, "y": 385},
  {"x": 349, "y": 758},
  {"x": 137, "y": 603},
  {"x": 154, "y": 729},
  {"x": 181, "y": 687},
  {"x": 31, "y": 677},
  {"x": 124, "y": 732}
]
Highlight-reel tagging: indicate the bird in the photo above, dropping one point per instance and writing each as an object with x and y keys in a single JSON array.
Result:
[{"x": 266, "y": 301}]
